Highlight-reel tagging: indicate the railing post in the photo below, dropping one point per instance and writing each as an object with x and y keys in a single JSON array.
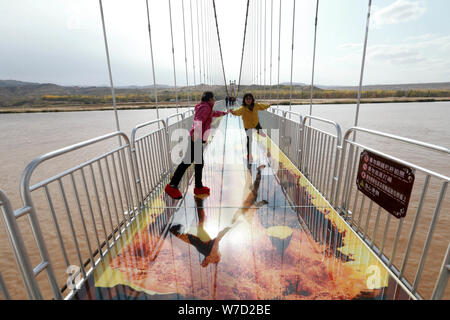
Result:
[
  {"x": 441, "y": 282},
  {"x": 19, "y": 250},
  {"x": 34, "y": 222}
]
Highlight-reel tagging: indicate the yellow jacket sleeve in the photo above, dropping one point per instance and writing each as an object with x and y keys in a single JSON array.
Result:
[
  {"x": 261, "y": 106},
  {"x": 238, "y": 111}
]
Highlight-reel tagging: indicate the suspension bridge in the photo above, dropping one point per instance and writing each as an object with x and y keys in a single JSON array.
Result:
[{"x": 290, "y": 224}]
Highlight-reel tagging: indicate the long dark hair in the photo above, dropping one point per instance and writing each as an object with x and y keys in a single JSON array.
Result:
[
  {"x": 207, "y": 95},
  {"x": 252, "y": 105}
]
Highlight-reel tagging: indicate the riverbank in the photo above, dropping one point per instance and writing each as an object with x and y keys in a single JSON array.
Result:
[{"x": 139, "y": 106}]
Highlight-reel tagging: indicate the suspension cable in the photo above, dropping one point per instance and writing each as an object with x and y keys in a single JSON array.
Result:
[
  {"x": 220, "y": 47},
  {"x": 206, "y": 46},
  {"x": 153, "y": 64},
  {"x": 265, "y": 46},
  {"x": 257, "y": 42},
  {"x": 271, "y": 48},
  {"x": 109, "y": 67},
  {"x": 314, "y": 59},
  {"x": 292, "y": 55},
  {"x": 199, "y": 45},
  {"x": 192, "y": 38},
  {"x": 279, "y": 45},
  {"x": 185, "y": 54},
  {"x": 260, "y": 46},
  {"x": 243, "y": 46},
  {"x": 173, "y": 58},
  {"x": 203, "y": 43},
  {"x": 208, "y": 30},
  {"x": 362, "y": 64}
]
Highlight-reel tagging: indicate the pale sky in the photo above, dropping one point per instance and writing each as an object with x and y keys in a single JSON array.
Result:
[{"x": 61, "y": 41}]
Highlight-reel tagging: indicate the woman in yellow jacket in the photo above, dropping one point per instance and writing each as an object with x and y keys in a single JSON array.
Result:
[{"x": 249, "y": 112}]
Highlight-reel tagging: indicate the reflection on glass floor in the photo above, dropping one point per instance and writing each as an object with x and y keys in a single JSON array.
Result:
[{"x": 263, "y": 233}]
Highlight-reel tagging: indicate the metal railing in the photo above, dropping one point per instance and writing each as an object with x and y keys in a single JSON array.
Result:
[
  {"x": 359, "y": 214},
  {"x": 102, "y": 192},
  {"x": 320, "y": 156},
  {"x": 152, "y": 164},
  {"x": 329, "y": 161},
  {"x": 291, "y": 134}
]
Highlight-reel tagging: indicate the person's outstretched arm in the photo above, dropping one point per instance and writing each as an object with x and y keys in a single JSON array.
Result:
[
  {"x": 219, "y": 114},
  {"x": 238, "y": 111},
  {"x": 261, "y": 106}
]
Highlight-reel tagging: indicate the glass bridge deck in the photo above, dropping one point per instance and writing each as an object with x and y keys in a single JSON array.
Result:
[{"x": 263, "y": 233}]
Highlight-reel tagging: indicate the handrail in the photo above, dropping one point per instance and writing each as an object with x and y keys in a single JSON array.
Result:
[
  {"x": 179, "y": 114},
  {"x": 145, "y": 124},
  {"x": 188, "y": 111},
  {"x": 293, "y": 113},
  {"x": 335, "y": 124},
  {"x": 399, "y": 138}
]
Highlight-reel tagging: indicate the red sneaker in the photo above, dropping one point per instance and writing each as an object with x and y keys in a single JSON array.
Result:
[
  {"x": 173, "y": 192},
  {"x": 202, "y": 190}
]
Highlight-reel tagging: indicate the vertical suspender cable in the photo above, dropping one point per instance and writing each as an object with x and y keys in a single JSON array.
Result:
[
  {"x": 258, "y": 16},
  {"x": 255, "y": 44},
  {"x": 292, "y": 55},
  {"x": 173, "y": 58},
  {"x": 362, "y": 64},
  {"x": 206, "y": 43},
  {"x": 220, "y": 48},
  {"x": 256, "y": 35},
  {"x": 153, "y": 63},
  {"x": 200, "y": 21},
  {"x": 192, "y": 38},
  {"x": 254, "y": 17},
  {"x": 250, "y": 48},
  {"x": 265, "y": 46},
  {"x": 279, "y": 45},
  {"x": 260, "y": 46},
  {"x": 210, "y": 47},
  {"x": 243, "y": 46},
  {"x": 271, "y": 33},
  {"x": 109, "y": 68},
  {"x": 207, "y": 46},
  {"x": 314, "y": 60},
  {"x": 185, "y": 54},
  {"x": 199, "y": 46},
  {"x": 208, "y": 37},
  {"x": 203, "y": 42}
]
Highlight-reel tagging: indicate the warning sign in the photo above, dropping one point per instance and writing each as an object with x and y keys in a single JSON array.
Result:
[{"x": 386, "y": 182}]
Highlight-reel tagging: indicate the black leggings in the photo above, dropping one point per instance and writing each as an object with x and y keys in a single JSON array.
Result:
[
  {"x": 189, "y": 158},
  {"x": 249, "y": 136}
]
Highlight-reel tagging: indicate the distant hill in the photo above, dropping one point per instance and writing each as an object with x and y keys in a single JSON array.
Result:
[
  {"x": 296, "y": 84},
  {"x": 14, "y": 83},
  {"x": 15, "y": 93},
  {"x": 159, "y": 86}
]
